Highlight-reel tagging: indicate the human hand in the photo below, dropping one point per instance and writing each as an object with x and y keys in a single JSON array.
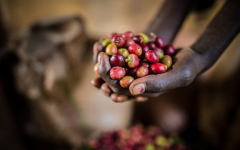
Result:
[
  {"x": 186, "y": 65},
  {"x": 99, "y": 83}
]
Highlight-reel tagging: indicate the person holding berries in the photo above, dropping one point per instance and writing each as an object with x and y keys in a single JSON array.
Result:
[{"x": 188, "y": 62}]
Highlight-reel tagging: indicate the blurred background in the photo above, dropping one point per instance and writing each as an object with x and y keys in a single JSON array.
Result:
[{"x": 47, "y": 101}]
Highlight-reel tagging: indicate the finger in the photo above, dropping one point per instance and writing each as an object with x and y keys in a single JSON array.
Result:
[
  {"x": 97, "y": 82},
  {"x": 105, "y": 89},
  {"x": 122, "y": 98},
  {"x": 118, "y": 98},
  {"x": 101, "y": 39},
  {"x": 141, "y": 99},
  {"x": 97, "y": 48},
  {"x": 114, "y": 97},
  {"x": 104, "y": 70}
]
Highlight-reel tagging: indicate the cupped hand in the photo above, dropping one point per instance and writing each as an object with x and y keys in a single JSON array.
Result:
[
  {"x": 98, "y": 82},
  {"x": 186, "y": 66}
]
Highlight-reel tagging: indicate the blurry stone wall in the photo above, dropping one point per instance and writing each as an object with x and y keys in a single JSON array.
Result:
[{"x": 101, "y": 17}]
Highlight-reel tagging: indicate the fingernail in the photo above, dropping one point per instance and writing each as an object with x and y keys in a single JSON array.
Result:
[
  {"x": 100, "y": 58},
  {"x": 121, "y": 98},
  {"x": 141, "y": 99},
  {"x": 138, "y": 88}
]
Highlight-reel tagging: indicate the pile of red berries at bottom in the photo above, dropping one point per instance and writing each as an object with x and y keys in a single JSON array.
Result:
[
  {"x": 134, "y": 56},
  {"x": 135, "y": 138}
]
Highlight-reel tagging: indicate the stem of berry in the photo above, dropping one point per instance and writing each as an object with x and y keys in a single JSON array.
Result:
[
  {"x": 144, "y": 59},
  {"x": 128, "y": 60},
  {"x": 153, "y": 35}
]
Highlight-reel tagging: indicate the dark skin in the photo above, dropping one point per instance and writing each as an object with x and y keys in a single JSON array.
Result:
[{"x": 188, "y": 62}]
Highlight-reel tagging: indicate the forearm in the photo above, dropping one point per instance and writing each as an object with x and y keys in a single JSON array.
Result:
[
  {"x": 169, "y": 19},
  {"x": 219, "y": 34}
]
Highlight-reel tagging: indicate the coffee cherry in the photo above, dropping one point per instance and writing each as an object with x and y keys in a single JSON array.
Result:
[
  {"x": 165, "y": 66},
  {"x": 145, "y": 37},
  {"x": 167, "y": 60},
  {"x": 118, "y": 41},
  {"x": 135, "y": 49},
  {"x": 145, "y": 48},
  {"x": 157, "y": 68},
  {"x": 145, "y": 64},
  {"x": 142, "y": 71},
  {"x": 95, "y": 68},
  {"x": 127, "y": 35},
  {"x": 149, "y": 147},
  {"x": 129, "y": 42},
  {"x": 111, "y": 35},
  {"x": 138, "y": 39},
  {"x": 126, "y": 81},
  {"x": 159, "y": 52},
  {"x": 106, "y": 42},
  {"x": 132, "y": 61},
  {"x": 126, "y": 70},
  {"x": 134, "y": 55},
  {"x": 123, "y": 51},
  {"x": 132, "y": 72},
  {"x": 151, "y": 45},
  {"x": 169, "y": 50},
  {"x": 117, "y": 73},
  {"x": 117, "y": 60},
  {"x": 151, "y": 56},
  {"x": 111, "y": 49},
  {"x": 159, "y": 42}
]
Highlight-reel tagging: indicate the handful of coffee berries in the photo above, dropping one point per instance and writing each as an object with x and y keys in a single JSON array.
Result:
[
  {"x": 135, "y": 56},
  {"x": 135, "y": 138}
]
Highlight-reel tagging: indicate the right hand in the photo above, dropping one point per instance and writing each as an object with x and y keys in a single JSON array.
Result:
[{"x": 99, "y": 83}]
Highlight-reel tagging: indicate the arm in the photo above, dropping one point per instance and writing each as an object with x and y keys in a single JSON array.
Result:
[
  {"x": 219, "y": 34},
  {"x": 189, "y": 62},
  {"x": 169, "y": 19}
]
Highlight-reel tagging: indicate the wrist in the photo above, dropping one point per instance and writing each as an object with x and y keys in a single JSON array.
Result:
[
  {"x": 205, "y": 59},
  {"x": 199, "y": 61}
]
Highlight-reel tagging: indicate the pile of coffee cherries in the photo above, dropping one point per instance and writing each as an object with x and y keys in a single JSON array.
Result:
[
  {"x": 135, "y": 138},
  {"x": 135, "y": 56}
]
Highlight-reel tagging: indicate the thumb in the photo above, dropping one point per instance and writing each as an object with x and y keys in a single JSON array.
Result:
[
  {"x": 97, "y": 48},
  {"x": 104, "y": 69},
  {"x": 161, "y": 82}
]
